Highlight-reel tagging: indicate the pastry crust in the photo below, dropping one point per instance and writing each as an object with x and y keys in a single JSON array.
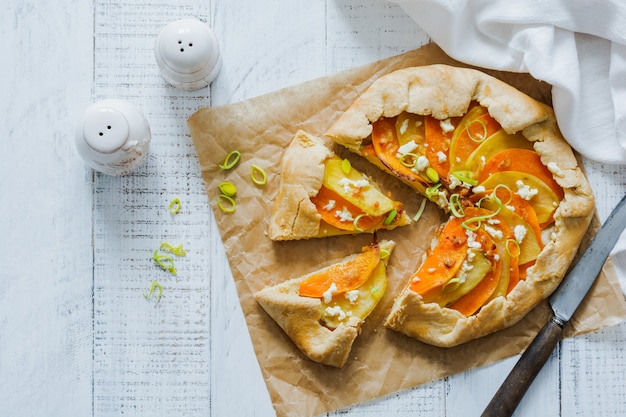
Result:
[
  {"x": 302, "y": 171},
  {"x": 294, "y": 216},
  {"x": 444, "y": 91},
  {"x": 300, "y": 318}
]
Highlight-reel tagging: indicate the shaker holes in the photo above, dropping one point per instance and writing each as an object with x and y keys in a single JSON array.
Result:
[
  {"x": 183, "y": 49},
  {"x": 102, "y": 134}
]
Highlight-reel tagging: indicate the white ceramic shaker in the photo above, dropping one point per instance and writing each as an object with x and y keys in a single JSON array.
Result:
[
  {"x": 187, "y": 53},
  {"x": 113, "y": 137}
]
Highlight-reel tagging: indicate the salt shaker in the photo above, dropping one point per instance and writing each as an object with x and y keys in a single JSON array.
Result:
[
  {"x": 113, "y": 137},
  {"x": 187, "y": 54}
]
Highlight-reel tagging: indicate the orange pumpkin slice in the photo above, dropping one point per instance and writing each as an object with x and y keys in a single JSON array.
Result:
[
  {"x": 442, "y": 263},
  {"x": 475, "y": 128},
  {"x": 521, "y": 160},
  {"x": 340, "y": 213},
  {"x": 386, "y": 146},
  {"x": 437, "y": 146},
  {"x": 344, "y": 276}
]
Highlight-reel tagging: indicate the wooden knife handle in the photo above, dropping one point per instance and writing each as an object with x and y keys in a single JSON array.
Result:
[{"x": 515, "y": 385}]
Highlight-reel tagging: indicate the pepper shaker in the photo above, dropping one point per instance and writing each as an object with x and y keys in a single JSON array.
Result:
[
  {"x": 187, "y": 53},
  {"x": 113, "y": 137}
]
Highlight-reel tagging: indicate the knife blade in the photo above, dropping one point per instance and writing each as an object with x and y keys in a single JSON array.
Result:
[{"x": 563, "y": 302}]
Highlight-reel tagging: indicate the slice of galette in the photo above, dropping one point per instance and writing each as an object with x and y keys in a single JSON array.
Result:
[
  {"x": 322, "y": 195},
  {"x": 323, "y": 312}
]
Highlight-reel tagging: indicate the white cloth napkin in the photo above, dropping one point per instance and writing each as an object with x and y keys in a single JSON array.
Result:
[{"x": 578, "y": 46}]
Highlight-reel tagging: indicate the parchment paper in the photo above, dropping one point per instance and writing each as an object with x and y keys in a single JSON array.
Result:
[{"x": 382, "y": 361}]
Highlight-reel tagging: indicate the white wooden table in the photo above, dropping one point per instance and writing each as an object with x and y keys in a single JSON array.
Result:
[{"x": 77, "y": 337}]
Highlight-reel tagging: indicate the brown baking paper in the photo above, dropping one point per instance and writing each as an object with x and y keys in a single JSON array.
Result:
[{"x": 382, "y": 361}]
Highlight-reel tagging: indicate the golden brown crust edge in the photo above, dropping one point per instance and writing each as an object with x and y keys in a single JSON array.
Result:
[
  {"x": 444, "y": 91},
  {"x": 439, "y": 90},
  {"x": 299, "y": 317},
  {"x": 444, "y": 327},
  {"x": 294, "y": 215}
]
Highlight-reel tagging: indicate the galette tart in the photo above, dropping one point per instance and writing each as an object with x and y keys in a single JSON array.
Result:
[
  {"x": 322, "y": 312},
  {"x": 494, "y": 160},
  {"x": 322, "y": 195}
]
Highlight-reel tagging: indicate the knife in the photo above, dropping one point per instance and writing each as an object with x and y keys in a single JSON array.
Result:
[{"x": 563, "y": 302}]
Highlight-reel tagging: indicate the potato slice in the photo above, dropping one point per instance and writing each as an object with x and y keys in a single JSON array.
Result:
[
  {"x": 356, "y": 188},
  {"x": 496, "y": 143},
  {"x": 530, "y": 247},
  {"x": 410, "y": 127}
]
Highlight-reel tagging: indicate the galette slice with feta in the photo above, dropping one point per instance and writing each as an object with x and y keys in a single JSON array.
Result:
[
  {"x": 322, "y": 312},
  {"x": 322, "y": 195}
]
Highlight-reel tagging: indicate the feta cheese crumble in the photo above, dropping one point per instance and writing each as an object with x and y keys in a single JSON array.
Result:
[
  {"x": 349, "y": 184},
  {"x": 408, "y": 147},
  {"x": 520, "y": 232},
  {"x": 335, "y": 311},
  {"x": 479, "y": 189},
  {"x": 495, "y": 233},
  {"x": 352, "y": 296},
  {"x": 471, "y": 240},
  {"x": 344, "y": 215},
  {"x": 404, "y": 126},
  {"x": 421, "y": 163},
  {"x": 328, "y": 294},
  {"x": 330, "y": 205},
  {"x": 454, "y": 182},
  {"x": 441, "y": 157},
  {"x": 525, "y": 191},
  {"x": 446, "y": 125}
]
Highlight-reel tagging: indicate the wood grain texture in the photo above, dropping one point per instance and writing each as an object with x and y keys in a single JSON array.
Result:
[
  {"x": 77, "y": 336},
  {"x": 149, "y": 356},
  {"x": 45, "y": 211},
  {"x": 506, "y": 400},
  {"x": 592, "y": 367}
]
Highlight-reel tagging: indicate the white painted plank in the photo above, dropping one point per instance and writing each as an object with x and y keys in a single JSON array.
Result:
[
  {"x": 363, "y": 31},
  {"x": 425, "y": 400},
  {"x": 237, "y": 385},
  {"x": 594, "y": 374},
  {"x": 45, "y": 211},
  {"x": 267, "y": 46},
  {"x": 593, "y": 368},
  {"x": 150, "y": 358},
  {"x": 469, "y": 393}
]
